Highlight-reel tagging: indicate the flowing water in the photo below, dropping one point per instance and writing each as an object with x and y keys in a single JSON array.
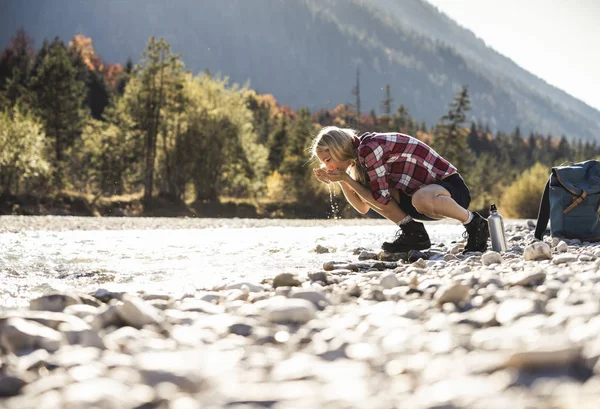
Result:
[
  {"x": 42, "y": 254},
  {"x": 335, "y": 209}
]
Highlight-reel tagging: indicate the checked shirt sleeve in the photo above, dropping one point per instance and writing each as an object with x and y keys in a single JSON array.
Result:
[{"x": 372, "y": 158}]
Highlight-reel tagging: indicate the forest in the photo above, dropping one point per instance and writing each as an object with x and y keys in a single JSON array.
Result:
[{"x": 82, "y": 136}]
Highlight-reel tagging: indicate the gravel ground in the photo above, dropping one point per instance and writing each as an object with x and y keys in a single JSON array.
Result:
[{"x": 439, "y": 329}]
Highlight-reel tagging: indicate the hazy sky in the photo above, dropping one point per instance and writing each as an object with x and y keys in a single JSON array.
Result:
[{"x": 557, "y": 40}]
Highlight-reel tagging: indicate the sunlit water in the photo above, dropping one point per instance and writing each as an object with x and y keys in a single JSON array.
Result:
[{"x": 178, "y": 260}]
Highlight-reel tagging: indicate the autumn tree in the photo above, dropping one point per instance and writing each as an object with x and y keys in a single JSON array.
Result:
[{"x": 22, "y": 151}]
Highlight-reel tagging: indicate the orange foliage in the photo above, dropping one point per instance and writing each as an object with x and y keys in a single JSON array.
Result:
[
  {"x": 424, "y": 137},
  {"x": 112, "y": 73},
  {"x": 83, "y": 46}
]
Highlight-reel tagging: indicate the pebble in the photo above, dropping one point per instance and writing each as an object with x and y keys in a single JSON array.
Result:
[{"x": 537, "y": 251}]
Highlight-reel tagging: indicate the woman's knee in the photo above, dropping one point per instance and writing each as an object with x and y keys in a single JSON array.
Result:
[{"x": 422, "y": 200}]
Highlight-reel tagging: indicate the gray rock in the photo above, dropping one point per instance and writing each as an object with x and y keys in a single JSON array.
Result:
[
  {"x": 550, "y": 357},
  {"x": 10, "y": 385},
  {"x": 529, "y": 277},
  {"x": 537, "y": 251},
  {"x": 290, "y": 310},
  {"x": 318, "y": 276},
  {"x": 514, "y": 308},
  {"x": 389, "y": 280},
  {"x": 19, "y": 335},
  {"x": 253, "y": 288},
  {"x": 318, "y": 299},
  {"x": 562, "y": 247},
  {"x": 453, "y": 293},
  {"x": 321, "y": 249},
  {"x": 564, "y": 258},
  {"x": 137, "y": 313},
  {"x": 242, "y": 329},
  {"x": 367, "y": 255},
  {"x": 286, "y": 280},
  {"x": 491, "y": 257},
  {"x": 105, "y": 295},
  {"x": 106, "y": 317},
  {"x": 200, "y": 306},
  {"x": 55, "y": 302}
]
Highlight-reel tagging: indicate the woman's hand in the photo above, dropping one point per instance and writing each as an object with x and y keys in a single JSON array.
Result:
[
  {"x": 336, "y": 175},
  {"x": 329, "y": 176},
  {"x": 321, "y": 174}
]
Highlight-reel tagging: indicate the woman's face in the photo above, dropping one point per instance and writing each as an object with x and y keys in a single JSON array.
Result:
[{"x": 330, "y": 163}]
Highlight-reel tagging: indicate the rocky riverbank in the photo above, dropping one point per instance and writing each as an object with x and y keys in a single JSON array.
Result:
[{"x": 431, "y": 330}]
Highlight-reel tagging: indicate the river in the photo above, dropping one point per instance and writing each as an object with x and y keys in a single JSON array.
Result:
[{"x": 40, "y": 254}]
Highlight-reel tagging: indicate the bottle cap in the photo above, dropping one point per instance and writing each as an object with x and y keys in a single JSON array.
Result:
[{"x": 493, "y": 208}]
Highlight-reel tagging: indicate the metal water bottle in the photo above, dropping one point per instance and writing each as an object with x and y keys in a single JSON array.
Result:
[{"x": 496, "y": 225}]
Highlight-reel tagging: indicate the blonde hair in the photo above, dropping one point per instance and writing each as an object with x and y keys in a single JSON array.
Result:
[{"x": 340, "y": 144}]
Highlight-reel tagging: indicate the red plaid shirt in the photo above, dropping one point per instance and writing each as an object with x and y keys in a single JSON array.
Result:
[{"x": 395, "y": 160}]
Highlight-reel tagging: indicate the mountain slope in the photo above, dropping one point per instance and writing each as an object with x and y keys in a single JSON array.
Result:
[{"x": 306, "y": 52}]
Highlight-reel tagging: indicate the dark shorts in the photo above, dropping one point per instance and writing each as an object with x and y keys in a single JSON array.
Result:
[{"x": 453, "y": 184}]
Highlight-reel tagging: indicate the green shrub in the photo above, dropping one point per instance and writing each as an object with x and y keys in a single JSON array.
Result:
[{"x": 522, "y": 198}]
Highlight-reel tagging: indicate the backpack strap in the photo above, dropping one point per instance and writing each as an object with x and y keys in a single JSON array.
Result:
[{"x": 543, "y": 213}]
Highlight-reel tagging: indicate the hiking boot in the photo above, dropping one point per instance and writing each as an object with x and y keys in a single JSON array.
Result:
[
  {"x": 411, "y": 236},
  {"x": 477, "y": 234}
]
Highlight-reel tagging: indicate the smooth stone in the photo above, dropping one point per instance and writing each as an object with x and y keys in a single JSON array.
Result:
[
  {"x": 11, "y": 385},
  {"x": 563, "y": 258},
  {"x": 290, "y": 310},
  {"x": 211, "y": 296},
  {"x": 529, "y": 277},
  {"x": 98, "y": 393},
  {"x": 453, "y": 293},
  {"x": 537, "y": 251},
  {"x": 318, "y": 299},
  {"x": 54, "y": 302},
  {"x": 241, "y": 329},
  {"x": 84, "y": 337},
  {"x": 106, "y": 317},
  {"x": 286, "y": 280},
  {"x": 544, "y": 357},
  {"x": 81, "y": 310},
  {"x": 318, "y": 276},
  {"x": 321, "y": 249},
  {"x": 185, "y": 369},
  {"x": 200, "y": 306},
  {"x": 367, "y": 255},
  {"x": 105, "y": 295},
  {"x": 491, "y": 257},
  {"x": 514, "y": 308},
  {"x": 389, "y": 280},
  {"x": 137, "y": 313},
  {"x": 49, "y": 319},
  {"x": 253, "y": 288},
  {"x": 562, "y": 247},
  {"x": 19, "y": 334}
]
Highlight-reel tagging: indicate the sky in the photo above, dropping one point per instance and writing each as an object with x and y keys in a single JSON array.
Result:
[{"x": 556, "y": 40}]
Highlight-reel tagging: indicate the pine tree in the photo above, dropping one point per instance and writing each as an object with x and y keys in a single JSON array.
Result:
[
  {"x": 59, "y": 101},
  {"x": 277, "y": 144},
  {"x": 356, "y": 93},
  {"x": 450, "y": 137},
  {"x": 16, "y": 62}
]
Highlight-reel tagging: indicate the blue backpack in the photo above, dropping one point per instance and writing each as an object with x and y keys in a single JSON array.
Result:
[{"x": 571, "y": 200}]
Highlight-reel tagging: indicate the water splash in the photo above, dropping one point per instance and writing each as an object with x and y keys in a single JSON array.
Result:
[{"x": 335, "y": 209}]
